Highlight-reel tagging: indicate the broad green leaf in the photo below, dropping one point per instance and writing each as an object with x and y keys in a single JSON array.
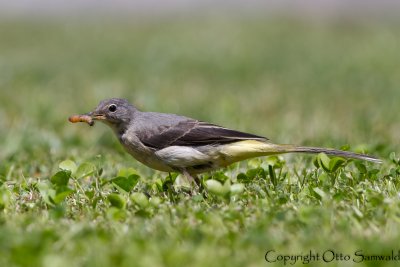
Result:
[
  {"x": 254, "y": 162},
  {"x": 155, "y": 201},
  {"x": 256, "y": 172},
  {"x": 126, "y": 183},
  {"x": 274, "y": 161},
  {"x": 68, "y": 165},
  {"x": 236, "y": 189},
  {"x": 85, "y": 169},
  {"x": 61, "y": 178},
  {"x": 323, "y": 161},
  {"x": 61, "y": 194},
  {"x": 220, "y": 176},
  {"x": 241, "y": 177},
  {"x": 361, "y": 167},
  {"x": 116, "y": 201},
  {"x": 335, "y": 163},
  {"x": 140, "y": 199},
  {"x": 214, "y": 186}
]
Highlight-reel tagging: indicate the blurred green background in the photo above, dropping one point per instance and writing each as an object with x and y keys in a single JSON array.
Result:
[
  {"x": 328, "y": 83},
  {"x": 299, "y": 80}
]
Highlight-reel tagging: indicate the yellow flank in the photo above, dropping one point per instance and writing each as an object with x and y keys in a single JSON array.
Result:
[{"x": 247, "y": 149}]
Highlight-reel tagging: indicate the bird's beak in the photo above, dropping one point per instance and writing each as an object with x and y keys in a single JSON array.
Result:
[{"x": 96, "y": 116}]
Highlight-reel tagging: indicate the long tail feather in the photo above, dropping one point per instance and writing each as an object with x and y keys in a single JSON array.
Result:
[
  {"x": 253, "y": 148},
  {"x": 333, "y": 152}
]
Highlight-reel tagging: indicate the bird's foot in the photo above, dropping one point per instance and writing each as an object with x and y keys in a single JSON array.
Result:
[{"x": 194, "y": 181}]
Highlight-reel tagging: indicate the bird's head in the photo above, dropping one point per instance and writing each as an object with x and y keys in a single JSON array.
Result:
[{"x": 115, "y": 112}]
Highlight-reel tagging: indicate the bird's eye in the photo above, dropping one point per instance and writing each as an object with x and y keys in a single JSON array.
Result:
[{"x": 112, "y": 108}]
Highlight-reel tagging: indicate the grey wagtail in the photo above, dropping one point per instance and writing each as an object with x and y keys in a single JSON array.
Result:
[{"x": 173, "y": 143}]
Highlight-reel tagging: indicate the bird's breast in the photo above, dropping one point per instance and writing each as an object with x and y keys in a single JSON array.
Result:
[{"x": 140, "y": 152}]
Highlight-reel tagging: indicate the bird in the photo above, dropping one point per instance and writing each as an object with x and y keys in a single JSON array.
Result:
[{"x": 175, "y": 143}]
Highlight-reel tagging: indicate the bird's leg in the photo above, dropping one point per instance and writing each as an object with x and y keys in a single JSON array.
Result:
[{"x": 193, "y": 180}]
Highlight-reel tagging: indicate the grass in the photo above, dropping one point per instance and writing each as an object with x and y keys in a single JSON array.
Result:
[{"x": 70, "y": 196}]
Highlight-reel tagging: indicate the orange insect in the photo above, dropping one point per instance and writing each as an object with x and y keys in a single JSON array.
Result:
[{"x": 81, "y": 118}]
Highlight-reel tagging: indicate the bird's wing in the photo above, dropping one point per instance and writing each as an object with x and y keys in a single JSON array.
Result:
[{"x": 173, "y": 130}]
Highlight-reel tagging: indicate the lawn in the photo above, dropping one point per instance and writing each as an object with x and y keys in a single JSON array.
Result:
[{"x": 71, "y": 196}]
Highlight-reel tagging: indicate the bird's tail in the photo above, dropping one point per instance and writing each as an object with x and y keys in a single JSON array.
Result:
[
  {"x": 252, "y": 148},
  {"x": 331, "y": 152}
]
